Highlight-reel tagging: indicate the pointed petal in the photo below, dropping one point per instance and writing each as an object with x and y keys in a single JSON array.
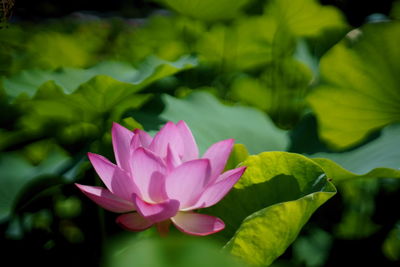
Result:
[
  {"x": 103, "y": 167},
  {"x": 135, "y": 142},
  {"x": 218, "y": 154},
  {"x": 186, "y": 182},
  {"x": 157, "y": 212},
  {"x": 121, "y": 139},
  {"x": 215, "y": 192},
  {"x": 172, "y": 160},
  {"x": 144, "y": 138},
  {"x": 122, "y": 184},
  {"x": 133, "y": 222},
  {"x": 191, "y": 150},
  {"x": 148, "y": 172},
  {"x": 106, "y": 199},
  {"x": 197, "y": 224},
  {"x": 169, "y": 134}
]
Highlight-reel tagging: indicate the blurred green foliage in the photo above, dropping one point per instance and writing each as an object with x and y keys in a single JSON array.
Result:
[
  {"x": 391, "y": 246},
  {"x": 174, "y": 251}
]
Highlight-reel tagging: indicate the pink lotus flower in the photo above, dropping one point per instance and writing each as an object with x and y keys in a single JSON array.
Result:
[{"x": 162, "y": 179}]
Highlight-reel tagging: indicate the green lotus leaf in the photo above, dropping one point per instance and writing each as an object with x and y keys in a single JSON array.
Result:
[
  {"x": 70, "y": 79},
  {"x": 212, "y": 121},
  {"x": 358, "y": 93},
  {"x": 266, "y": 210},
  {"x": 379, "y": 158}
]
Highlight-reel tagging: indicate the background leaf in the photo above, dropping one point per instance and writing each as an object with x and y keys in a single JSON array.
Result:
[
  {"x": 207, "y": 9},
  {"x": 212, "y": 121},
  {"x": 379, "y": 158},
  {"x": 360, "y": 83},
  {"x": 16, "y": 173},
  {"x": 305, "y": 17},
  {"x": 69, "y": 79}
]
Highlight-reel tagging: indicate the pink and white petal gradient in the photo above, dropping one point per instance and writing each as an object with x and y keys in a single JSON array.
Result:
[
  {"x": 161, "y": 180},
  {"x": 133, "y": 222},
  {"x": 106, "y": 199},
  {"x": 186, "y": 182},
  {"x": 197, "y": 224},
  {"x": 218, "y": 155},
  {"x": 191, "y": 150},
  {"x": 149, "y": 175},
  {"x": 121, "y": 139}
]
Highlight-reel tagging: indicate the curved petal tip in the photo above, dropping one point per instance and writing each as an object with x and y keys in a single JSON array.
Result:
[
  {"x": 197, "y": 224},
  {"x": 133, "y": 222}
]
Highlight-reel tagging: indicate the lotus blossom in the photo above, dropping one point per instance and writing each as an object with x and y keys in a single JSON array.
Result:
[{"x": 161, "y": 180}]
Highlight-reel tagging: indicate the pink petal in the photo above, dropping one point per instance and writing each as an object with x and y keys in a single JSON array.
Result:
[
  {"x": 189, "y": 143},
  {"x": 157, "y": 212},
  {"x": 106, "y": 199},
  {"x": 218, "y": 154},
  {"x": 103, "y": 167},
  {"x": 121, "y": 139},
  {"x": 197, "y": 224},
  {"x": 133, "y": 222},
  {"x": 122, "y": 184},
  {"x": 145, "y": 138},
  {"x": 169, "y": 134},
  {"x": 186, "y": 182},
  {"x": 148, "y": 172},
  {"x": 172, "y": 160},
  {"x": 135, "y": 142},
  {"x": 215, "y": 192}
]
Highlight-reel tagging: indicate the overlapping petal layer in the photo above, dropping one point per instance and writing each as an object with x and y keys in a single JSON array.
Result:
[
  {"x": 197, "y": 224},
  {"x": 162, "y": 179}
]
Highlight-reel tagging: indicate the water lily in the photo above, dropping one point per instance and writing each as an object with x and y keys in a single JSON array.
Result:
[{"x": 160, "y": 180}]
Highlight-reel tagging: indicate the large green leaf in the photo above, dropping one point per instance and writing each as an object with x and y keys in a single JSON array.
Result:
[
  {"x": 38, "y": 45},
  {"x": 83, "y": 113},
  {"x": 248, "y": 43},
  {"x": 69, "y": 79},
  {"x": 43, "y": 50},
  {"x": 270, "y": 204},
  {"x": 212, "y": 121},
  {"x": 359, "y": 92},
  {"x": 207, "y": 9},
  {"x": 16, "y": 173},
  {"x": 379, "y": 158},
  {"x": 176, "y": 34},
  {"x": 75, "y": 110},
  {"x": 252, "y": 41},
  {"x": 280, "y": 90},
  {"x": 305, "y": 17},
  {"x": 28, "y": 81}
]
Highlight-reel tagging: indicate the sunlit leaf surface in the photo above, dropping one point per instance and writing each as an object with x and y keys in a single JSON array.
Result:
[
  {"x": 270, "y": 204},
  {"x": 359, "y": 92}
]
